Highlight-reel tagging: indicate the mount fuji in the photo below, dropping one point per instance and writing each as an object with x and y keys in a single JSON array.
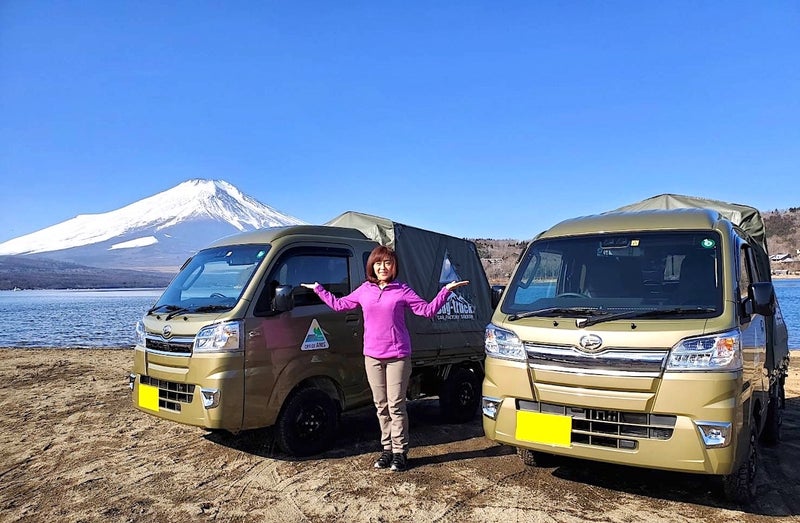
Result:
[{"x": 157, "y": 233}]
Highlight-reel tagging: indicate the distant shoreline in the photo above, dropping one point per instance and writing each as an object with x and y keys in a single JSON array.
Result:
[{"x": 786, "y": 276}]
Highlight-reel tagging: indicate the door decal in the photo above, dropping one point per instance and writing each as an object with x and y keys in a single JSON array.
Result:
[{"x": 315, "y": 338}]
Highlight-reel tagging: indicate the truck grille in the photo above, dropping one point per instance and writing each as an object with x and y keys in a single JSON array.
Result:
[
  {"x": 608, "y": 362},
  {"x": 608, "y": 428},
  {"x": 170, "y": 394},
  {"x": 179, "y": 346}
]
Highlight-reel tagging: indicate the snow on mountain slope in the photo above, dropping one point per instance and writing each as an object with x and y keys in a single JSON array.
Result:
[
  {"x": 193, "y": 201},
  {"x": 138, "y": 242}
]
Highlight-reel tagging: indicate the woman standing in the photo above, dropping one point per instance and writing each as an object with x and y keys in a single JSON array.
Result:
[{"x": 387, "y": 344}]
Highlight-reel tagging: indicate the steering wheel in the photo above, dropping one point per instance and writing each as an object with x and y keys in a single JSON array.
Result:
[
  {"x": 217, "y": 295},
  {"x": 571, "y": 295}
]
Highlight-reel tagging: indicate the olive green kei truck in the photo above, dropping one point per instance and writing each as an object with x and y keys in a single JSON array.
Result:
[
  {"x": 647, "y": 336},
  {"x": 236, "y": 343}
]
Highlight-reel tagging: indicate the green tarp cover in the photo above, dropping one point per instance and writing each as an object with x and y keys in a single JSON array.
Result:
[
  {"x": 746, "y": 217},
  {"x": 428, "y": 260}
]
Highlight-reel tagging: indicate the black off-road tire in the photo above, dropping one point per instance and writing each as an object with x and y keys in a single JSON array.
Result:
[
  {"x": 459, "y": 396},
  {"x": 308, "y": 423},
  {"x": 740, "y": 485}
]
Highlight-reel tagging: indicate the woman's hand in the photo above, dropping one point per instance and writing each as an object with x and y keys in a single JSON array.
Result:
[
  {"x": 453, "y": 284},
  {"x": 311, "y": 286}
]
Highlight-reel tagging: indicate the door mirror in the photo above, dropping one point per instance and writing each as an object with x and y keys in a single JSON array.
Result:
[
  {"x": 497, "y": 293},
  {"x": 762, "y": 297},
  {"x": 284, "y": 300}
]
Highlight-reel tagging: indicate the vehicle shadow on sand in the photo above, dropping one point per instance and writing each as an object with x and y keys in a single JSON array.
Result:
[
  {"x": 359, "y": 434},
  {"x": 777, "y": 481}
]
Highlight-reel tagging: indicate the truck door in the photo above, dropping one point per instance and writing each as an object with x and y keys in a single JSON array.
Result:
[
  {"x": 753, "y": 326},
  {"x": 309, "y": 340}
]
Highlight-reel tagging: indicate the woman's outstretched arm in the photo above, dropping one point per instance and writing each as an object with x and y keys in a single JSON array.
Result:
[{"x": 345, "y": 303}]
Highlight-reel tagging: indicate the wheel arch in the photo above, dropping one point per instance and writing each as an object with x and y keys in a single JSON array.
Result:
[{"x": 297, "y": 376}]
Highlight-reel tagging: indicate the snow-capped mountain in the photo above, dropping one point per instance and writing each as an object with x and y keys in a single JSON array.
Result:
[{"x": 158, "y": 232}]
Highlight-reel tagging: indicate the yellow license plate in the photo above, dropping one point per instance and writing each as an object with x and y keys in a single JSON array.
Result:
[
  {"x": 148, "y": 397},
  {"x": 547, "y": 429}
]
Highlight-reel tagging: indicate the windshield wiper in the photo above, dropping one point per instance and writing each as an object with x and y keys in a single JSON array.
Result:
[
  {"x": 175, "y": 312},
  {"x": 212, "y": 308},
  {"x": 202, "y": 308},
  {"x": 677, "y": 311},
  {"x": 555, "y": 311},
  {"x": 165, "y": 307}
]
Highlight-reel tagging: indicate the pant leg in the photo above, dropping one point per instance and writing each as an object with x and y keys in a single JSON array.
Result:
[
  {"x": 376, "y": 376},
  {"x": 398, "y": 373}
]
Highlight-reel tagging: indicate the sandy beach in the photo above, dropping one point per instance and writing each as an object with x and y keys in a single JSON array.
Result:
[{"x": 73, "y": 449}]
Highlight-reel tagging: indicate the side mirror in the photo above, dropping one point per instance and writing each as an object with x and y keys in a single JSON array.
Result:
[
  {"x": 284, "y": 300},
  {"x": 762, "y": 297},
  {"x": 497, "y": 293}
]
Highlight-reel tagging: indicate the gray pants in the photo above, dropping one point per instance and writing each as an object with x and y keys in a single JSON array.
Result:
[{"x": 388, "y": 380}]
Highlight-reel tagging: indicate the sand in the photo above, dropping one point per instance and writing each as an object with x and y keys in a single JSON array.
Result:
[{"x": 72, "y": 448}]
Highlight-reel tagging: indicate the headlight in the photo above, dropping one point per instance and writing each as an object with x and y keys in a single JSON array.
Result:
[
  {"x": 717, "y": 352},
  {"x": 500, "y": 343},
  {"x": 139, "y": 334},
  {"x": 220, "y": 337}
]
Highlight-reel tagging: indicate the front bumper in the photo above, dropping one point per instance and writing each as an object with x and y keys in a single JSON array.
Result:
[
  {"x": 652, "y": 424},
  {"x": 203, "y": 390}
]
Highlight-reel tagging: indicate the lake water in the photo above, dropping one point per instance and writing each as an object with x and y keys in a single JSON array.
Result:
[
  {"x": 69, "y": 318},
  {"x": 72, "y": 318}
]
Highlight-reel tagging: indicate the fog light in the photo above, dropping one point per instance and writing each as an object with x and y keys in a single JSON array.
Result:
[
  {"x": 210, "y": 397},
  {"x": 716, "y": 434},
  {"x": 490, "y": 406}
]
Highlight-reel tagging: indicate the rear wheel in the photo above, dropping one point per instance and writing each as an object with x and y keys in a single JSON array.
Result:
[
  {"x": 740, "y": 485},
  {"x": 459, "y": 396},
  {"x": 307, "y": 423}
]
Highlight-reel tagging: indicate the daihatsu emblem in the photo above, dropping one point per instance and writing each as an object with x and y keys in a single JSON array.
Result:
[
  {"x": 590, "y": 343},
  {"x": 167, "y": 331}
]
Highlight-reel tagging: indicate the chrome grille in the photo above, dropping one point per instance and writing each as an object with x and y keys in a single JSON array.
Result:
[
  {"x": 608, "y": 428},
  {"x": 178, "y": 346},
  {"x": 609, "y": 362},
  {"x": 170, "y": 394}
]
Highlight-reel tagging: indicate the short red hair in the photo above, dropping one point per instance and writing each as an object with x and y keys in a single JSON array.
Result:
[{"x": 381, "y": 253}]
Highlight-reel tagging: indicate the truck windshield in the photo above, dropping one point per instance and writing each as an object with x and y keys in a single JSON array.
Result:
[
  {"x": 632, "y": 275},
  {"x": 212, "y": 280}
]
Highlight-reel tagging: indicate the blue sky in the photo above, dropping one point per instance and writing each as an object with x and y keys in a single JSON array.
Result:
[{"x": 477, "y": 119}]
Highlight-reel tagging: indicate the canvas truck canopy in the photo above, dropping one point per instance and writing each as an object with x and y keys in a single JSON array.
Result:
[
  {"x": 427, "y": 261},
  {"x": 745, "y": 217},
  {"x": 750, "y": 221}
]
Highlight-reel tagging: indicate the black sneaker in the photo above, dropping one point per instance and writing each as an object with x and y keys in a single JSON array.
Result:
[
  {"x": 399, "y": 462},
  {"x": 384, "y": 460}
]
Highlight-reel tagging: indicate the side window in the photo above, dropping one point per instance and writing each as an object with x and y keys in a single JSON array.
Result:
[
  {"x": 331, "y": 271},
  {"x": 539, "y": 279},
  {"x": 745, "y": 272},
  {"x": 329, "y": 267}
]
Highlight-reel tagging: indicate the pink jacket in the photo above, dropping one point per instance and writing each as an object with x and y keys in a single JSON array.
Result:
[{"x": 385, "y": 332}]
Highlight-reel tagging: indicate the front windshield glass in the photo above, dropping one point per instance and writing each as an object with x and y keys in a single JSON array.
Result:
[
  {"x": 212, "y": 280},
  {"x": 655, "y": 274}
]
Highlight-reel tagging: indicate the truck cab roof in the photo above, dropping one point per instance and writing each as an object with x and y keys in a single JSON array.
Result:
[
  {"x": 627, "y": 221},
  {"x": 271, "y": 234}
]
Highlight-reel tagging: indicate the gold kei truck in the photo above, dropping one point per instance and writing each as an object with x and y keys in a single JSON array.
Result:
[
  {"x": 235, "y": 343},
  {"x": 648, "y": 336}
]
